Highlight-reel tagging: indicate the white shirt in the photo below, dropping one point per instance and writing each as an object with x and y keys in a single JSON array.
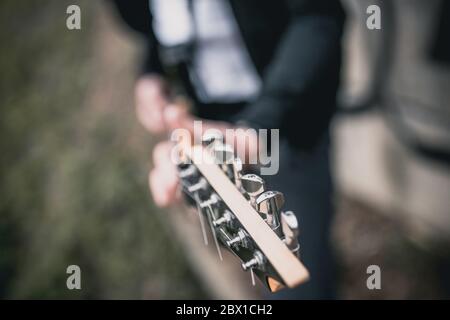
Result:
[{"x": 221, "y": 64}]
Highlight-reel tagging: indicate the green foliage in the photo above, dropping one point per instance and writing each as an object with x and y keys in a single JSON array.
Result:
[{"x": 73, "y": 184}]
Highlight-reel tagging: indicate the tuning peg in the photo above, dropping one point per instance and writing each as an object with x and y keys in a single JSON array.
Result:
[
  {"x": 269, "y": 205},
  {"x": 253, "y": 185},
  {"x": 224, "y": 156},
  {"x": 226, "y": 219},
  {"x": 187, "y": 171},
  {"x": 200, "y": 185},
  {"x": 241, "y": 239},
  {"x": 289, "y": 225},
  {"x": 188, "y": 174},
  {"x": 223, "y": 153},
  {"x": 257, "y": 261},
  {"x": 237, "y": 172},
  {"x": 213, "y": 199},
  {"x": 211, "y": 137}
]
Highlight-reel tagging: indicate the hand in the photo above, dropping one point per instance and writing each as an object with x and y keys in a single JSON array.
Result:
[
  {"x": 151, "y": 97},
  {"x": 163, "y": 178}
]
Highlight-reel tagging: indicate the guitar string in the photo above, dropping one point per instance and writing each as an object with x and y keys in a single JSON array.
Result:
[
  {"x": 210, "y": 216},
  {"x": 184, "y": 188},
  {"x": 213, "y": 230},
  {"x": 195, "y": 198},
  {"x": 200, "y": 216}
]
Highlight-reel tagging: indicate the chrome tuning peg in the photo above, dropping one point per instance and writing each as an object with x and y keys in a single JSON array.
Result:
[
  {"x": 224, "y": 156},
  {"x": 257, "y": 261},
  {"x": 213, "y": 200},
  {"x": 289, "y": 225},
  {"x": 237, "y": 173},
  {"x": 223, "y": 153},
  {"x": 200, "y": 185},
  {"x": 269, "y": 204},
  {"x": 253, "y": 185},
  {"x": 240, "y": 240},
  {"x": 225, "y": 219},
  {"x": 212, "y": 137},
  {"x": 187, "y": 171}
]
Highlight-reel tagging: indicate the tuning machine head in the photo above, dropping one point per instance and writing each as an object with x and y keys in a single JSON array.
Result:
[
  {"x": 253, "y": 185},
  {"x": 289, "y": 225},
  {"x": 225, "y": 219},
  {"x": 212, "y": 137},
  {"x": 223, "y": 153},
  {"x": 224, "y": 157},
  {"x": 237, "y": 172},
  {"x": 187, "y": 171},
  {"x": 269, "y": 204},
  {"x": 240, "y": 240},
  {"x": 256, "y": 262},
  {"x": 213, "y": 200}
]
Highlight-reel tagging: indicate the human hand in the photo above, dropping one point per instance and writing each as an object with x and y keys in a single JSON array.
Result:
[
  {"x": 151, "y": 98},
  {"x": 163, "y": 178}
]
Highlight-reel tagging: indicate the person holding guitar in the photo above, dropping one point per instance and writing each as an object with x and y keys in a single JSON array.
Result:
[{"x": 251, "y": 64}]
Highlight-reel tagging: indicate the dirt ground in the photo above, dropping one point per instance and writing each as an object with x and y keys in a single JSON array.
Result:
[{"x": 74, "y": 165}]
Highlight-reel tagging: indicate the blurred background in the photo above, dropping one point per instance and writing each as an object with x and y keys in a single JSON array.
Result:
[{"x": 74, "y": 161}]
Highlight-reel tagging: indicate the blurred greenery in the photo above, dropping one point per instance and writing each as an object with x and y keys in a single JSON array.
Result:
[
  {"x": 73, "y": 184},
  {"x": 73, "y": 170}
]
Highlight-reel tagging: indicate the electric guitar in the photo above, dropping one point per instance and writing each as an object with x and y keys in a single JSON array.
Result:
[{"x": 242, "y": 215}]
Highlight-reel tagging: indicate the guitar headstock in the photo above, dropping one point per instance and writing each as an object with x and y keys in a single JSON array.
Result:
[{"x": 244, "y": 217}]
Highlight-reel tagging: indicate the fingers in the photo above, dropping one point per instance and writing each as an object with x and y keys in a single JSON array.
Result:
[
  {"x": 151, "y": 98},
  {"x": 244, "y": 140},
  {"x": 161, "y": 154},
  {"x": 163, "y": 178},
  {"x": 164, "y": 192},
  {"x": 178, "y": 117}
]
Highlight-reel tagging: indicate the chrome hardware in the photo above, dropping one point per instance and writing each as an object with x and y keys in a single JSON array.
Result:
[
  {"x": 253, "y": 185},
  {"x": 223, "y": 153},
  {"x": 187, "y": 172},
  {"x": 240, "y": 239},
  {"x": 289, "y": 225},
  {"x": 237, "y": 173},
  {"x": 200, "y": 185},
  {"x": 211, "y": 137},
  {"x": 269, "y": 205},
  {"x": 200, "y": 182},
  {"x": 224, "y": 156},
  {"x": 214, "y": 199},
  {"x": 257, "y": 261},
  {"x": 226, "y": 218}
]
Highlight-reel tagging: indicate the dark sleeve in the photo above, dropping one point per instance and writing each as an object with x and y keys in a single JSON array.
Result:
[
  {"x": 136, "y": 15},
  {"x": 299, "y": 85}
]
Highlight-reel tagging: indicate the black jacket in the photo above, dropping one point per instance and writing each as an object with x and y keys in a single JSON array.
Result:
[{"x": 295, "y": 46}]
